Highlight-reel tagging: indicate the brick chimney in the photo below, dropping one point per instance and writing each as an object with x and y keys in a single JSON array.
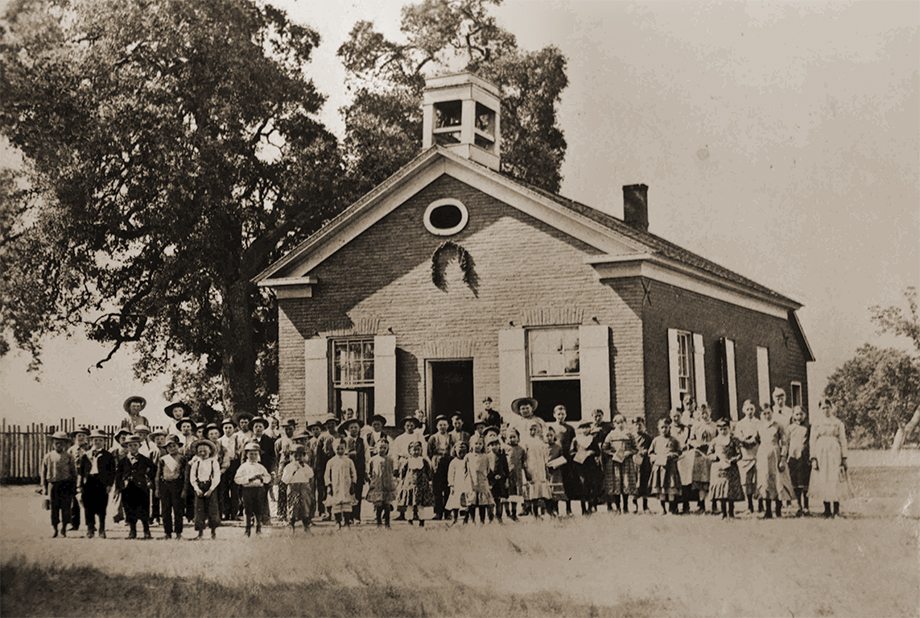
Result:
[{"x": 635, "y": 206}]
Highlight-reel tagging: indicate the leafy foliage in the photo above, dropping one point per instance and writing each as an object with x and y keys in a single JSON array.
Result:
[
  {"x": 171, "y": 152},
  {"x": 386, "y": 79},
  {"x": 875, "y": 392},
  {"x": 896, "y": 321}
]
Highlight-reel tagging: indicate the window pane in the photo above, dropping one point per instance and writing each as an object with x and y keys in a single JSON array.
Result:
[{"x": 553, "y": 352}]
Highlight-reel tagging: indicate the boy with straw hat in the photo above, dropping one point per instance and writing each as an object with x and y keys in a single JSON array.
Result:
[{"x": 58, "y": 481}]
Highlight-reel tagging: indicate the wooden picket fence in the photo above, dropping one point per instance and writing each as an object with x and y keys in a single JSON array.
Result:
[{"x": 22, "y": 447}]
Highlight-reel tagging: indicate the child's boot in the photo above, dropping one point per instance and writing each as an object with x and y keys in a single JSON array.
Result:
[
  {"x": 132, "y": 531},
  {"x": 55, "y": 528},
  {"x": 248, "y": 531},
  {"x": 213, "y": 533}
]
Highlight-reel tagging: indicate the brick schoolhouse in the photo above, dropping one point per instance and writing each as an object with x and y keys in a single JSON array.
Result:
[{"x": 450, "y": 282}]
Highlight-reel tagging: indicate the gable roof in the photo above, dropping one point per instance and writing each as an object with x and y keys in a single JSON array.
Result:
[
  {"x": 639, "y": 241},
  {"x": 656, "y": 244}
]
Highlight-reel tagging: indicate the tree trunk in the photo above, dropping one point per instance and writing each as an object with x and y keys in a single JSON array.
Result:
[
  {"x": 903, "y": 434},
  {"x": 238, "y": 371}
]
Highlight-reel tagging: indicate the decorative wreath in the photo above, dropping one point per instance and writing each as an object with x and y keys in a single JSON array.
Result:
[{"x": 442, "y": 256}]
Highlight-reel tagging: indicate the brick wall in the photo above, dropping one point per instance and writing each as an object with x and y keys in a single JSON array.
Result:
[
  {"x": 671, "y": 307},
  {"x": 528, "y": 273}
]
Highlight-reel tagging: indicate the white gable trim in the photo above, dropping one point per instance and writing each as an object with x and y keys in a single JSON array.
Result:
[
  {"x": 416, "y": 176},
  {"x": 657, "y": 269}
]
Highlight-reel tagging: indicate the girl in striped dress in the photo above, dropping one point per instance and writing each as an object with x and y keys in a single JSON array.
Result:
[
  {"x": 725, "y": 480},
  {"x": 663, "y": 454},
  {"x": 620, "y": 468},
  {"x": 415, "y": 489}
]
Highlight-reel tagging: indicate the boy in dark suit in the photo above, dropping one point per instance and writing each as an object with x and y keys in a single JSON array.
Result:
[
  {"x": 96, "y": 475},
  {"x": 134, "y": 477}
]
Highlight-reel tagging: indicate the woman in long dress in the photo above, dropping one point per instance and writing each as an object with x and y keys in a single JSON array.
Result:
[{"x": 828, "y": 448}]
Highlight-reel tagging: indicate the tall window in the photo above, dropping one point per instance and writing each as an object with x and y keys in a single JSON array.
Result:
[
  {"x": 353, "y": 376},
  {"x": 796, "y": 394},
  {"x": 555, "y": 370},
  {"x": 685, "y": 379}
]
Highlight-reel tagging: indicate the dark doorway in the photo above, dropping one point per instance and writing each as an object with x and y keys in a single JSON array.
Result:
[
  {"x": 551, "y": 393},
  {"x": 450, "y": 389}
]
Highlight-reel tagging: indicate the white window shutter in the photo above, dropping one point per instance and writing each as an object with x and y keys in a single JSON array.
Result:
[
  {"x": 316, "y": 378},
  {"x": 594, "y": 364},
  {"x": 699, "y": 368},
  {"x": 512, "y": 366},
  {"x": 731, "y": 379},
  {"x": 673, "y": 368},
  {"x": 385, "y": 377},
  {"x": 763, "y": 376}
]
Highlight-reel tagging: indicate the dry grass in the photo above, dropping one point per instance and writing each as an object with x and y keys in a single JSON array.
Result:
[{"x": 863, "y": 565}]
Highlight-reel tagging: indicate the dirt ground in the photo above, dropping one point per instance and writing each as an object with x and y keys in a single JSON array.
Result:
[{"x": 864, "y": 564}]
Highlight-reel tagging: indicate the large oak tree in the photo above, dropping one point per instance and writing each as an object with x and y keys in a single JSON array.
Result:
[{"x": 170, "y": 151}]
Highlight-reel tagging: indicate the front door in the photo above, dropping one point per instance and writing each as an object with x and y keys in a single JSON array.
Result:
[{"x": 450, "y": 389}]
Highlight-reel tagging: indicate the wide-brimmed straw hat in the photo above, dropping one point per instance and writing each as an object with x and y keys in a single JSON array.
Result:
[
  {"x": 127, "y": 404},
  {"x": 517, "y": 403},
  {"x": 171, "y": 409},
  {"x": 203, "y": 441}
]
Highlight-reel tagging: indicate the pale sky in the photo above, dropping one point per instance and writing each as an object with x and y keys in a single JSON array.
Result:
[{"x": 781, "y": 140}]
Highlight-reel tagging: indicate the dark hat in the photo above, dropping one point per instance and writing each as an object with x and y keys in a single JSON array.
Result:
[
  {"x": 227, "y": 421},
  {"x": 441, "y": 417},
  {"x": 121, "y": 432},
  {"x": 487, "y": 399},
  {"x": 457, "y": 415},
  {"x": 173, "y": 439},
  {"x": 379, "y": 418},
  {"x": 411, "y": 419},
  {"x": 82, "y": 429},
  {"x": 344, "y": 425},
  {"x": 291, "y": 422},
  {"x": 60, "y": 435},
  {"x": 241, "y": 415},
  {"x": 300, "y": 448},
  {"x": 171, "y": 409},
  {"x": 517, "y": 403},
  {"x": 127, "y": 404},
  {"x": 182, "y": 421},
  {"x": 259, "y": 419},
  {"x": 203, "y": 441}
]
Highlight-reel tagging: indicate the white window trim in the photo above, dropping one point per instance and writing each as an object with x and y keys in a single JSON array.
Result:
[
  {"x": 351, "y": 386},
  {"x": 464, "y": 217}
]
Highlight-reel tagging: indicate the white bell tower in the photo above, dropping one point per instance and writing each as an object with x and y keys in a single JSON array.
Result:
[{"x": 462, "y": 112}]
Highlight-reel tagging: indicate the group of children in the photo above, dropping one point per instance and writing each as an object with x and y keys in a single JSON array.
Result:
[{"x": 521, "y": 465}]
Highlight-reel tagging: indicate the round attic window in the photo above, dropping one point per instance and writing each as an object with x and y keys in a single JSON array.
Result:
[{"x": 445, "y": 217}]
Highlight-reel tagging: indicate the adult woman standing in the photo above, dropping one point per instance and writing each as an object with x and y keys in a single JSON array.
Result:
[
  {"x": 828, "y": 448},
  {"x": 773, "y": 482}
]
